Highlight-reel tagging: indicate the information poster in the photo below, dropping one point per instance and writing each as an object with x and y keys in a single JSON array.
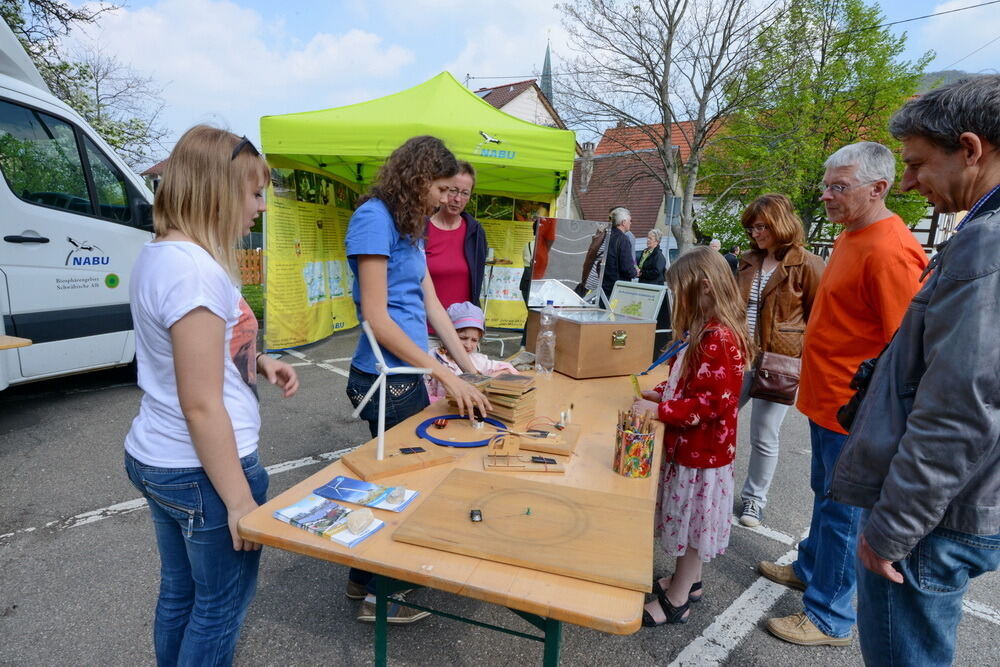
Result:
[
  {"x": 508, "y": 226},
  {"x": 308, "y": 282}
]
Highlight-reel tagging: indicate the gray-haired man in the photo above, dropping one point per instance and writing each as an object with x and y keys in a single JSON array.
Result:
[{"x": 923, "y": 456}]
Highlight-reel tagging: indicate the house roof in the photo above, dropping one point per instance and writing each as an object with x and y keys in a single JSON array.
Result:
[
  {"x": 637, "y": 138},
  {"x": 156, "y": 169},
  {"x": 501, "y": 95},
  {"x": 620, "y": 180}
]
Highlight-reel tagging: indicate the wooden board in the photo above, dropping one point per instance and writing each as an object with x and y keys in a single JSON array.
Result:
[
  {"x": 10, "y": 342},
  {"x": 363, "y": 463},
  {"x": 574, "y": 532},
  {"x": 563, "y": 444},
  {"x": 519, "y": 463}
]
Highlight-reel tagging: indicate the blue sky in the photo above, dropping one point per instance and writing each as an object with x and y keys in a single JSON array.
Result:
[{"x": 229, "y": 62}]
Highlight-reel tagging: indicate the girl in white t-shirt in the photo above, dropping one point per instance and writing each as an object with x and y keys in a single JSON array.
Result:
[{"x": 192, "y": 450}]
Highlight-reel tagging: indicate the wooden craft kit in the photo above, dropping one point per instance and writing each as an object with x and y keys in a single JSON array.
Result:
[
  {"x": 398, "y": 460},
  {"x": 503, "y": 454}
]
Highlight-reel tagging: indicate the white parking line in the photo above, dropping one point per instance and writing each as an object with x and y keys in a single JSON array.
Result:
[
  {"x": 719, "y": 639},
  {"x": 129, "y": 506},
  {"x": 730, "y": 627}
]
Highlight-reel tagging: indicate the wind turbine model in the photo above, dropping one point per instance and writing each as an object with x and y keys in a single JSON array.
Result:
[{"x": 383, "y": 371}]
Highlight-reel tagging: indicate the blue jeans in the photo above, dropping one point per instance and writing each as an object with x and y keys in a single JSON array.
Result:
[
  {"x": 914, "y": 623},
  {"x": 205, "y": 585},
  {"x": 826, "y": 556},
  {"x": 405, "y": 396}
]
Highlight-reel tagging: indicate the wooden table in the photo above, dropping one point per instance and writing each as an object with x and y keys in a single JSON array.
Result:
[
  {"x": 545, "y": 600},
  {"x": 10, "y": 342}
]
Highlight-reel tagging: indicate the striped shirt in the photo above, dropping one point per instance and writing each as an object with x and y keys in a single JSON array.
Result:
[{"x": 756, "y": 296}]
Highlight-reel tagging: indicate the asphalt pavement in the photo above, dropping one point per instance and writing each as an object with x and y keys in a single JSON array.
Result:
[{"x": 79, "y": 567}]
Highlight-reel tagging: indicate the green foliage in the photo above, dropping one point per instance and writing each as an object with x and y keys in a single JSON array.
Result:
[
  {"x": 122, "y": 106},
  {"x": 254, "y": 295},
  {"x": 841, "y": 80},
  {"x": 33, "y": 167}
]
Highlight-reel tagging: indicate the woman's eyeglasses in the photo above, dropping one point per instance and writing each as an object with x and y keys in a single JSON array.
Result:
[
  {"x": 455, "y": 192},
  {"x": 753, "y": 229},
  {"x": 244, "y": 143}
]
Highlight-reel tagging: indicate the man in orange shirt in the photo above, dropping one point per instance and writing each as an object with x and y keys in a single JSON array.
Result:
[{"x": 872, "y": 274}]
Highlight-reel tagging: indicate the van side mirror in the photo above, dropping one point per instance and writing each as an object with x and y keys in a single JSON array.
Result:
[{"x": 145, "y": 216}]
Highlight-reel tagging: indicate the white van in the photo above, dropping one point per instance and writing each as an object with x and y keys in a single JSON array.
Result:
[{"x": 73, "y": 218}]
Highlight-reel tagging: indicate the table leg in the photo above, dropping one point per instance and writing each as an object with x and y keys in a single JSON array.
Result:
[
  {"x": 553, "y": 642},
  {"x": 381, "y": 621}
]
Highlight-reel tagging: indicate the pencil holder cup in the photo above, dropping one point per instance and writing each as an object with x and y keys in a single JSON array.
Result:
[{"x": 633, "y": 453}]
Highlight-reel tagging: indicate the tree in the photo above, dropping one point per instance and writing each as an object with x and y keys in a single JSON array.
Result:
[
  {"x": 649, "y": 65},
  {"x": 120, "y": 104},
  {"x": 840, "y": 81},
  {"x": 123, "y": 106}
]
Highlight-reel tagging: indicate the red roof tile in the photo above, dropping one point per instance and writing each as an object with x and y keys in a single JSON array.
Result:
[
  {"x": 637, "y": 138},
  {"x": 501, "y": 95},
  {"x": 156, "y": 169},
  {"x": 620, "y": 180}
]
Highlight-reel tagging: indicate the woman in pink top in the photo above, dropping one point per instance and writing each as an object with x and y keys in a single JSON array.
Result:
[{"x": 456, "y": 244}]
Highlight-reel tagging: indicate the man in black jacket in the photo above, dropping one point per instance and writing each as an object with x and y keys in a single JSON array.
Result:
[{"x": 620, "y": 261}]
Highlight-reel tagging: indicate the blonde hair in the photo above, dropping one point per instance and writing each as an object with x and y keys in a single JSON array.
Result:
[
  {"x": 687, "y": 277},
  {"x": 202, "y": 191}
]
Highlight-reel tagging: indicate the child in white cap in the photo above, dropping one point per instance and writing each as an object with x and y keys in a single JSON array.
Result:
[{"x": 470, "y": 324}]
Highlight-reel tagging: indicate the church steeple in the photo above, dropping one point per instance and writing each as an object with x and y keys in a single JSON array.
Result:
[{"x": 546, "y": 85}]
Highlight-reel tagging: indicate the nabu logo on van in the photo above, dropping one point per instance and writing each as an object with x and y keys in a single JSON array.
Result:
[{"x": 85, "y": 253}]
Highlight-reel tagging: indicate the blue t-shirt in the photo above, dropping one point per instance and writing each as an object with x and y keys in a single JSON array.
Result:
[{"x": 372, "y": 231}]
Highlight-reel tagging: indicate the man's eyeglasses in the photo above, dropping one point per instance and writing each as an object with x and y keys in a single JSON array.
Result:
[
  {"x": 462, "y": 194},
  {"x": 244, "y": 143},
  {"x": 840, "y": 189}
]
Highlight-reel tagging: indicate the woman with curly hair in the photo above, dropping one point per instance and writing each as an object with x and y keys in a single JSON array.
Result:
[{"x": 394, "y": 293}]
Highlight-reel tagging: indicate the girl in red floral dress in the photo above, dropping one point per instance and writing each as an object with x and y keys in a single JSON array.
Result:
[{"x": 698, "y": 405}]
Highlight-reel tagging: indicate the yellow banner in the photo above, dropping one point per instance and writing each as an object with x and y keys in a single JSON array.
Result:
[
  {"x": 507, "y": 222},
  {"x": 307, "y": 292}
]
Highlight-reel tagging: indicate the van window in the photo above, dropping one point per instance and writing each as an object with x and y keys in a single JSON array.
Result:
[
  {"x": 40, "y": 160},
  {"x": 112, "y": 195}
]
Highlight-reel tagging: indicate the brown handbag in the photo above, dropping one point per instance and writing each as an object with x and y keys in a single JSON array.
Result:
[{"x": 775, "y": 376}]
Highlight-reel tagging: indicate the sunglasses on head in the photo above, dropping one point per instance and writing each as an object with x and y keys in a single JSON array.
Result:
[{"x": 244, "y": 143}]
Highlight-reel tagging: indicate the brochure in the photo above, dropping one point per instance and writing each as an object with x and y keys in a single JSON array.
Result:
[
  {"x": 324, "y": 518},
  {"x": 350, "y": 490}
]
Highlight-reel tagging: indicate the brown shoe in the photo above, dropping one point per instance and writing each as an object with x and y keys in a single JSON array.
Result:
[
  {"x": 355, "y": 591},
  {"x": 798, "y": 629},
  {"x": 397, "y": 614},
  {"x": 781, "y": 574}
]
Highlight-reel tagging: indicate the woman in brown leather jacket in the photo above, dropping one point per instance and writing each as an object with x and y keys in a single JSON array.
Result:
[{"x": 777, "y": 279}]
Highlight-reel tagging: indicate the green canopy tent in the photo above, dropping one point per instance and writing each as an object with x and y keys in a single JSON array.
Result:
[{"x": 511, "y": 156}]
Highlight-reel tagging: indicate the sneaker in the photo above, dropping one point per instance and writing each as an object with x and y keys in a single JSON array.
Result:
[
  {"x": 781, "y": 574},
  {"x": 355, "y": 591},
  {"x": 396, "y": 613},
  {"x": 798, "y": 629},
  {"x": 751, "y": 514}
]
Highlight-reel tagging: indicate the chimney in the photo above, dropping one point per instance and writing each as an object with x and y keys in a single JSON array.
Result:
[{"x": 586, "y": 165}]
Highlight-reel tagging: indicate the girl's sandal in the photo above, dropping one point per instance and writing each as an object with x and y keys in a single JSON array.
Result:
[
  {"x": 673, "y": 615},
  {"x": 694, "y": 595}
]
